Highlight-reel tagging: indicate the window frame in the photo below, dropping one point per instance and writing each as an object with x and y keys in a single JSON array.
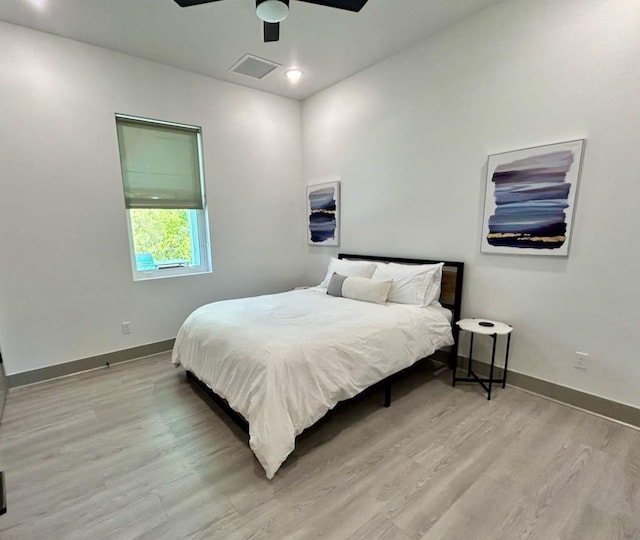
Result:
[{"x": 203, "y": 245}]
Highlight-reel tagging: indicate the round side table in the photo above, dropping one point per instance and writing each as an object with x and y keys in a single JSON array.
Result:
[{"x": 491, "y": 328}]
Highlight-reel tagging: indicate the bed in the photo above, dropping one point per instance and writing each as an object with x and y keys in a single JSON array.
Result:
[{"x": 278, "y": 363}]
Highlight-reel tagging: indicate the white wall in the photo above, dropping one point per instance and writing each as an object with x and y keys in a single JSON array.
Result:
[
  {"x": 410, "y": 137},
  {"x": 65, "y": 274}
]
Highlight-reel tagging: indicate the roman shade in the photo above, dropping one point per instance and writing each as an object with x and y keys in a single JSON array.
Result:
[{"x": 160, "y": 165}]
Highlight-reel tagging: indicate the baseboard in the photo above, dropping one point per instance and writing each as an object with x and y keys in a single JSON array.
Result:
[
  {"x": 84, "y": 364},
  {"x": 4, "y": 388},
  {"x": 576, "y": 398}
]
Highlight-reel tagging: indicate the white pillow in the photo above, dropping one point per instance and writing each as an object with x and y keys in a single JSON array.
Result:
[
  {"x": 359, "y": 288},
  {"x": 346, "y": 267},
  {"x": 417, "y": 284}
]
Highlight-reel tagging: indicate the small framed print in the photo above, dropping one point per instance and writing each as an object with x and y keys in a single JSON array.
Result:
[{"x": 323, "y": 214}]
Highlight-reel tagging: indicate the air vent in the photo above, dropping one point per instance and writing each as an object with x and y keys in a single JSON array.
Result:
[{"x": 253, "y": 66}]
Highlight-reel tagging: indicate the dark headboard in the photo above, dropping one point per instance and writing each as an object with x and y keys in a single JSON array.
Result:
[
  {"x": 451, "y": 287},
  {"x": 452, "y": 274}
]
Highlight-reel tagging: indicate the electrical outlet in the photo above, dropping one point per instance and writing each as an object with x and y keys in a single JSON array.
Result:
[
  {"x": 581, "y": 360},
  {"x": 126, "y": 327}
]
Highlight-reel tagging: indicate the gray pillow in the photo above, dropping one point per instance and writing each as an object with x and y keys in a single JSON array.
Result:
[
  {"x": 335, "y": 284},
  {"x": 359, "y": 288}
]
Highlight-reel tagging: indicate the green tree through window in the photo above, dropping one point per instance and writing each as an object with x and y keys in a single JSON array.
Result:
[{"x": 163, "y": 233}]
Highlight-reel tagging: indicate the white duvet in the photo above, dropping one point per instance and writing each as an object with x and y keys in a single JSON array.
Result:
[{"x": 284, "y": 360}]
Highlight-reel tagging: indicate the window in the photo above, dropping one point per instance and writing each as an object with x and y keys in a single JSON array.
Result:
[{"x": 164, "y": 196}]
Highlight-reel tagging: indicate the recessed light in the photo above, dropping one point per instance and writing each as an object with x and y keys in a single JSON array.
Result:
[
  {"x": 294, "y": 74},
  {"x": 38, "y": 4}
]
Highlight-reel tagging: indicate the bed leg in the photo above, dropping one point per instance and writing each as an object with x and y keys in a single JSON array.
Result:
[{"x": 387, "y": 394}]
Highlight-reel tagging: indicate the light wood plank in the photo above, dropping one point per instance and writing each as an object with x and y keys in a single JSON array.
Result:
[{"x": 135, "y": 451}]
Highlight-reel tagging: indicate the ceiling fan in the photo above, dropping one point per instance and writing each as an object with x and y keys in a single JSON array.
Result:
[{"x": 273, "y": 12}]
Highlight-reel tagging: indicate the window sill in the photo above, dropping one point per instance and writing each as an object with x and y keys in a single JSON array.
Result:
[{"x": 169, "y": 273}]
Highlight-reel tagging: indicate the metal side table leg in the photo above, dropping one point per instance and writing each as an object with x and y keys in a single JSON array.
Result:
[
  {"x": 493, "y": 362},
  {"x": 506, "y": 362},
  {"x": 3, "y": 494},
  {"x": 454, "y": 371}
]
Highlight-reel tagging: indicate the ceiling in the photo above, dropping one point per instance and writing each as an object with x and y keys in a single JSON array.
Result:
[{"x": 327, "y": 44}]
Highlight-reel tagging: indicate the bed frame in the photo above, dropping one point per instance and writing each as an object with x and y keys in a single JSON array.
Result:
[{"x": 450, "y": 297}]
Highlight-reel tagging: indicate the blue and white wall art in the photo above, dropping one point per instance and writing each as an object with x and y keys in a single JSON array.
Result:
[
  {"x": 323, "y": 211},
  {"x": 529, "y": 199}
]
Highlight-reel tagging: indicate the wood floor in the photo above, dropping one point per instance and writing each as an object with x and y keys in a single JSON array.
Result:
[{"x": 135, "y": 451}]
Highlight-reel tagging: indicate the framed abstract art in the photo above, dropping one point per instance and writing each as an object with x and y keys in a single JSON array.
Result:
[
  {"x": 323, "y": 214},
  {"x": 530, "y": 198}
]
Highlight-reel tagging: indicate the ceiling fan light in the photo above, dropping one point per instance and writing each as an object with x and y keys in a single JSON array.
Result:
[{"x": 272, "y": 11}]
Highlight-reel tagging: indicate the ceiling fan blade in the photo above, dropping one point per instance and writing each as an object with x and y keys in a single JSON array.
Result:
[
  {"x": 188, "y": 3},
  {"x": 271, "y": 32},
  {"x": 349, "y": 5}
]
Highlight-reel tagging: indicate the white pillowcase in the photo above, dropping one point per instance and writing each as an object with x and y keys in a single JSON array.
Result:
[
  {"x": 417, "y": 284},
  {"x": 366, "y": 290},
  {"x": 346, "y": 267}
]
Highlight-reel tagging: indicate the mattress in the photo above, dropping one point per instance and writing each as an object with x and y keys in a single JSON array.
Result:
[{"x": 283, "y": 360}]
